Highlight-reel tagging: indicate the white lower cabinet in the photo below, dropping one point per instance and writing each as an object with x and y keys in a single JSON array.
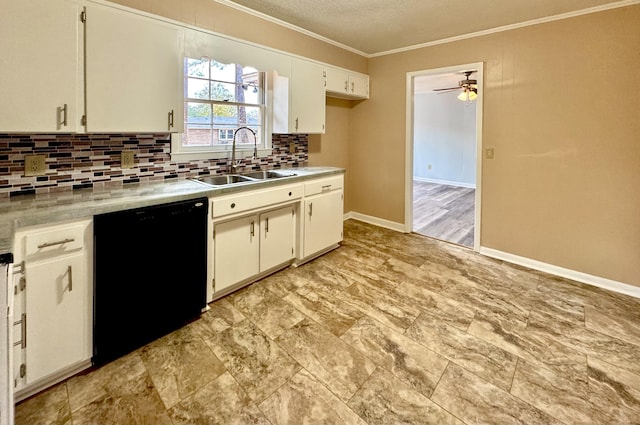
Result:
[
  {"x": 247, "y": 246},
  {"x": 322, "y": 222},
  {"x": 236, "y": 248},
  {"x": 53, "y": 304}
]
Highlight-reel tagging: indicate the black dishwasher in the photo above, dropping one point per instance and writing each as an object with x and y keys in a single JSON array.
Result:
[{"x": 150, "y": 272}]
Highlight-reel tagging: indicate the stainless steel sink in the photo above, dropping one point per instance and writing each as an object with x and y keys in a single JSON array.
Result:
[
  {"x": 224, "y": 179},
  {"x": 267, "y": 174},
  {"x": 254, "y": 176}
]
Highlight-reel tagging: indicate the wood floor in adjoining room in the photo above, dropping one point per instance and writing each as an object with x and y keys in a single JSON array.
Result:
[
  {"x": 444, "y": 212},
  {"x": 390, "y": 328}
]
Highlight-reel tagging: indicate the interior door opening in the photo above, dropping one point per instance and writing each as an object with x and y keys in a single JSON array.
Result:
[{"x": 444, "y": 117}]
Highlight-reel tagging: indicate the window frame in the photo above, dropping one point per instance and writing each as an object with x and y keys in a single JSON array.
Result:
[{"x": 179, "y": 152}]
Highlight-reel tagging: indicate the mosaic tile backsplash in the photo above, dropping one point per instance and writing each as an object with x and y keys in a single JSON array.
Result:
[{"x": 76, "y": 161}]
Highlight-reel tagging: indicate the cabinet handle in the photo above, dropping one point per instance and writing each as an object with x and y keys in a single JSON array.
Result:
[
  {"x": 69, "y": 272},
  {"x": 252, "y": 231},
  {"x": 296, "y": 124},
  {"x": 346, "y": 86},
  {"x": 170, "y": 119},
  {"x": 326, "y": 187},
  {"x": 64, "y": 116},
  {"x": 23, "y": 331},
  {"x": 352, "y": 87},
  {"x": 310, "y": 209},
  {"x": 266, "y": 225},
  {"x": 48, "y": 244}
]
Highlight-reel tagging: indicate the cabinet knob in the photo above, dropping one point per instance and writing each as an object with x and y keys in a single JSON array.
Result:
[{"x": 233, "y": 205}]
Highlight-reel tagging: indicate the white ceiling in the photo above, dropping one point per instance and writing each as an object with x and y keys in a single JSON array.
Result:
[{"x": 372, "y": 27}]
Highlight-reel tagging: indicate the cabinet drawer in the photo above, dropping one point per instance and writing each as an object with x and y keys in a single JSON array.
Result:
[
  {"x": 55, "y": 240},
  {"x": 323, "y": 185},
  {"x": 255, "y": 199}
]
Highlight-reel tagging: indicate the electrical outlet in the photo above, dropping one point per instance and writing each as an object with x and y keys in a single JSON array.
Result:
[
  {"x": 429, "y": 167},
  {"x": 292, "y": 147},
  {"x": 126, "y": 159},
  {"x": 34, "y": 165},
  {"x": 488, "y": 153}
]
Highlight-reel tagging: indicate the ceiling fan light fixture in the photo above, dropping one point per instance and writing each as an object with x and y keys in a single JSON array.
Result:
[{"x": 467, "y": 95}]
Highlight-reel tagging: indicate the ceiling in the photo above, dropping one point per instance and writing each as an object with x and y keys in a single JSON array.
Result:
[{"x": 373, "y": 27}]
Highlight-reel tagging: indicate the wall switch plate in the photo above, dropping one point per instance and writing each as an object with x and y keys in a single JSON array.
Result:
[
  {"x": 292, "y": 147},
  {"x": 488, "y": 153},
  {"x": 126, "y": 159},
  {"x": 34, "y": 165}
]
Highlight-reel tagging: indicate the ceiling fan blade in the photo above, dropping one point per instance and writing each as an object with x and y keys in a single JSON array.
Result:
[{"x": 449, "y": 88}]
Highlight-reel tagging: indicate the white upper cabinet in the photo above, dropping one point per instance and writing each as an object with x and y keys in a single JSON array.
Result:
[
  {"x": 299, "y": 106},
  {"x": 133, "y": 73},
  {"x": 39, "y": 66},
  {"x": 345, "y": 84}
]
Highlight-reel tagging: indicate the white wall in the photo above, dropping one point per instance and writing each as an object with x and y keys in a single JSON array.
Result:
[{"x": 445, "y": 138}]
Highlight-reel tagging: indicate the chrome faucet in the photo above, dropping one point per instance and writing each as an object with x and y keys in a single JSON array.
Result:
[{"x": 233, "y": 167}]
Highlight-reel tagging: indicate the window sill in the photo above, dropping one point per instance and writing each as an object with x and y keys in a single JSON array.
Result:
[{"x": 199, "y": 156}]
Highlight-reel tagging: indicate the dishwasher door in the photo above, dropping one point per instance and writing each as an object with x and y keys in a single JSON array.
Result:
[{"x": 150, "y": 271}]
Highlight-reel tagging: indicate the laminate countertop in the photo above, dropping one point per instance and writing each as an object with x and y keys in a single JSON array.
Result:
[{"x": 30, "y": 210}]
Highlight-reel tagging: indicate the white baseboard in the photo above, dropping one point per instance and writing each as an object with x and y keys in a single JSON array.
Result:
[
  {"x": 600, "y": 282},
  {"x": 447, "y": 182},
  {"x": 398, "y": 227}
]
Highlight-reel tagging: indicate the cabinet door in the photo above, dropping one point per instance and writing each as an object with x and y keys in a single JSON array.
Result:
[
  {"x": 134, "y": 79},
  {"x": 276, "y": 237},
  {"x": 322, "y": 221},
  {"x": 39, "y": 66},
  {"x": 358, "y": 86},
  {"x": 307, "y": 97},
  {"x": 236, "y": 251},
  {"x": 58, "y": 323},
  {"x": 337, "y": 80}
]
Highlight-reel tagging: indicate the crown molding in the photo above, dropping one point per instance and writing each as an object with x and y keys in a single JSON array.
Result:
[
  {"x": 291, "y": 26},
  {"x": 595, "y": 9}
]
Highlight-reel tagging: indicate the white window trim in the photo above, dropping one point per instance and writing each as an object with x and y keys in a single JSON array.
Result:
[{"x": 181, "y": 153}]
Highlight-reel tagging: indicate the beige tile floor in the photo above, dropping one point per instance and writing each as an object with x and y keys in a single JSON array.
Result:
[{"x": 388, "y": 329}]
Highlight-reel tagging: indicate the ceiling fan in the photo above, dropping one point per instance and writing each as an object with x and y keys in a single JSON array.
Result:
[{"x": 468, "y": 86}]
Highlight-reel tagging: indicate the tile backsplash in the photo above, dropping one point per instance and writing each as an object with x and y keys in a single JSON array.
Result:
[{"x": 76, "y": 161}]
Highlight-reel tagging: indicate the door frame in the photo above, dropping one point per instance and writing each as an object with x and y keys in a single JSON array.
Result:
[{"x": 408, "y": 196}]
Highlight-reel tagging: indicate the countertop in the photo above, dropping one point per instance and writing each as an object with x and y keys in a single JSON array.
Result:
[{"x": 30, "y": 210}]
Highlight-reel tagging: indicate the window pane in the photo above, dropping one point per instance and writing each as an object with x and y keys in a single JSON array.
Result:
[
  {"x": 197, "y": 135},
  {"x": 198, "y": 113},
  {"x": 223, "y": 72},
  {"x": 225, "y": 114},
  {"x": 224, "y": 92},
  {"x": 196, "y": 67},
  {"x": 197, "y": 89},
  {"x": 249, "y": 115},
  {"x": 225, "y": 135}
]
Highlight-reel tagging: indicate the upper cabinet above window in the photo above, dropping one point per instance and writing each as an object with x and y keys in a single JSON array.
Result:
[
  {"x": 133, "y": 73},
  {"x": 39, "y": 66}
]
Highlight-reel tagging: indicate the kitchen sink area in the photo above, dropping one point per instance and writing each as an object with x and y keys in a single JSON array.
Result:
[{"x": 249, "y": 177}]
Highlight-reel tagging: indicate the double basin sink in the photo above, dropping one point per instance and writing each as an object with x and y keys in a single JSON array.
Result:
[{"x": 227, "y": 179}]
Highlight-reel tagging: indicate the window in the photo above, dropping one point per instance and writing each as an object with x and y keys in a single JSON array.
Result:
[{"x": 218, "y": 99}]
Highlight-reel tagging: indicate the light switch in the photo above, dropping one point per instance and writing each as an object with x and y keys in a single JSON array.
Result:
[{"x": 488, "y": 153}]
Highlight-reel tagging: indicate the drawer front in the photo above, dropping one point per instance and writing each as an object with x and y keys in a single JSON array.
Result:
[
  {"x": 327, "y": 184},
  {"x": 247, "y": 201},
  {"x": 57, "y": 240}
]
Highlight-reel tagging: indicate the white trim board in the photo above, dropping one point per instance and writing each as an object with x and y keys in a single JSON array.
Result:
[
  {"x": 392, "y": 225},
  {"x": 447, "y": 182},
  {"x": 600, "y": 282}
]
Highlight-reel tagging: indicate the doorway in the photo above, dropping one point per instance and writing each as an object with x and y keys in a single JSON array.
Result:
[{"x": 443, "y": 161}]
